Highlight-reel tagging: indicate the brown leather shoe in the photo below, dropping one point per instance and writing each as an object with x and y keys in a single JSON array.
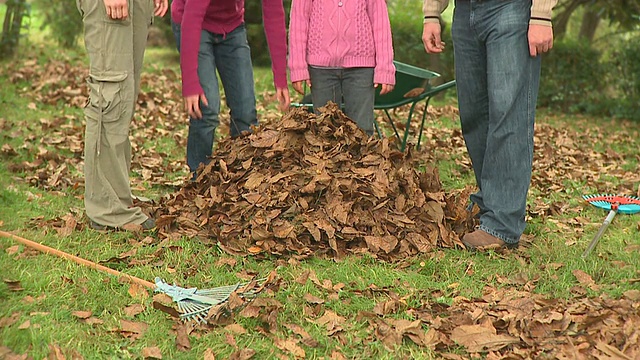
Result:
[{"x": 481, "y": 240}]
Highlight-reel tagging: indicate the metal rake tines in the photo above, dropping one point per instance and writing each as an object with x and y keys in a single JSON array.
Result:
[
  {"x": 194, "y": 304},
  {"x": 193, "y": 310}
]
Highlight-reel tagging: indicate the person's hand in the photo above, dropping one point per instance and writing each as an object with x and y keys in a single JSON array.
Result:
[
  {"x": 192, "y": 105},
  {"x": 385, "y": 89},
  {"x": 160, "y": 7},
  {"x": 282, "y": 94},
  {"x": 431, "y": 38},
  {"x": 540, "y": 39},
  {"x": 297, "y": 85},
  {"x": 117, "y": 9}
]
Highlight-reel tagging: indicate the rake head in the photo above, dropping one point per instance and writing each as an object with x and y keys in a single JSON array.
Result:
[
  {"x": 194, "y": 304},
  {"x": 626, "y": 204}
]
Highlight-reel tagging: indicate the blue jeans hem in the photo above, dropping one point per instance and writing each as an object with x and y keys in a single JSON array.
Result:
[{"x": 499, "y": 236}]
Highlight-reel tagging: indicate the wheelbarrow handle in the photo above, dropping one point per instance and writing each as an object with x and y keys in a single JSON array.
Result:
[{"x": 603, "y": 227}]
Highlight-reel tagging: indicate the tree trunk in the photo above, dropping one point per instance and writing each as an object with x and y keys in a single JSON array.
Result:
[
  {"x": 11, "y": 27},
  {"x": 590, "y": 21},
  {"x": 561, "y": 20}
]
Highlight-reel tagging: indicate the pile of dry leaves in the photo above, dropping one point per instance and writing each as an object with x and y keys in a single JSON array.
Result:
[{"x": 307, "y": 184}]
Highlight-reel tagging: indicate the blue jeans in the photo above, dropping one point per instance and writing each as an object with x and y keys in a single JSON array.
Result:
[
  {"x": 351, "y": 86},
  {"x": 230, "y": 55},
  {"x": 497, "y": 83}
]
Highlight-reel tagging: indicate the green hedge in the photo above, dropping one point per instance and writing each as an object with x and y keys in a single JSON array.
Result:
[
  {"x": 63, "y": 20},
  {"x": 576, "y": 78},
  {"x": 573, "y": 78}
]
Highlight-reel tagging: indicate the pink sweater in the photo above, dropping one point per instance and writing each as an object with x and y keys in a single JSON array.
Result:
[
  {"x": 340, "y": 33},
  {"x": 221, "y": 17}
]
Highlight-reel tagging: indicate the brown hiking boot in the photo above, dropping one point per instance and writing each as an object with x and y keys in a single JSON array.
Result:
[{"x": 481, "y": 240}]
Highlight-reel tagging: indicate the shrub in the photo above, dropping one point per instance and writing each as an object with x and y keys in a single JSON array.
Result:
[
  {"x": 255, "y": 31},
  {"x": 406, "y": 27},
  {"x": 62, "y": 19},
  {"x": 624, "y": 70},
  {"x": 573, "y": 79}
]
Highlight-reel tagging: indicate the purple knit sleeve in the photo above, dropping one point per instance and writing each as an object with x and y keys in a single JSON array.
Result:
[
  {"x": 298, "y": 34},
  {"x": 191, "y": 28},
  {"x": 276, "y": 32},
  {"x": 385, "y": 71}
]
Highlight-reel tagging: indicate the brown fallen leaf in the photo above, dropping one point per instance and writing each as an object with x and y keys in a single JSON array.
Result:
[
  {"x": 56, "y": 353},
  {"x": 132, "y": 329},
  {"x": 182, "y": 337},
  {"x": 14, "y": 285},
  {"x": 133, "y": 310},
  {"x": 12, "y": 249},
  {"x": 82, "y": 315},
  {"x": 152, "y": 352},
  {"x": 290, "y": 346},
  {"x": 9, "y": 320},
  {"x": 243, "y": 354},
  {"x": 481, "y": 338},
  {"x": 209, "y": 355}
]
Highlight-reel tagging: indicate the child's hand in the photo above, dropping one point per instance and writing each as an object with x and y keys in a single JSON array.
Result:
[
  {"x": 297, "y": 85},
  {"x": 192, "y": 105},
  {"x": 385, "y": 89},
  {"x": 282, "y": 94},
  {"x": 160, "y": 7}
]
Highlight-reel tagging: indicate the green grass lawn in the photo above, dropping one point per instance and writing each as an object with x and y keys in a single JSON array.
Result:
[{"x": 42, "y": 295}]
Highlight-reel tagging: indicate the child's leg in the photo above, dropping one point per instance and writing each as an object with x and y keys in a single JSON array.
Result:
[
  {"x": 325, "y": 86},
  {"x": 236, "y": 73},
  {"x": 202, "y": 131},
  {"x": 359, "y": 97}
]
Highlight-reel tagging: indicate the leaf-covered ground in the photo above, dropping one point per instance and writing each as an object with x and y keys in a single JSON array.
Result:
[{"x": 308, "y": 186}]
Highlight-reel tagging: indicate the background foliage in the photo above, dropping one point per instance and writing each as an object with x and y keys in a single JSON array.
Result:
[{"x": 593, "y": 69}]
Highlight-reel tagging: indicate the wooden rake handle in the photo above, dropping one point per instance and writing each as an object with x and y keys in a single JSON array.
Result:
[{"x": 78, "y": 260}]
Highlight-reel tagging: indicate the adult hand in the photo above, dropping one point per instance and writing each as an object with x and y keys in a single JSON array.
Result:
[
  {"x": 431, "y": 38},
  {"x": 192, "y": 105},
  {"x": 297, "y": 85},
  {"x": 282, "y": 94},
  {"x": 540, "y": 39},
  {"x": 385, "y": 89},
  {"x": 160, "y": 7},
  {"x": 117, "y": 9}
]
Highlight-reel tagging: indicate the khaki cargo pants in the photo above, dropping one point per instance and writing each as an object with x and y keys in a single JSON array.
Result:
[{"x": 116, "y": 51}]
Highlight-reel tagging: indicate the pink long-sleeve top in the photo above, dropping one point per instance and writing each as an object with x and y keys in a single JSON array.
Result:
[
  {"x": 340, "y": 33},
  {"x": 221, "y": 17}
]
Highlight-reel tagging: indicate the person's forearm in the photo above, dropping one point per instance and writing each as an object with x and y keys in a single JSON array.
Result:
[
  {"x": 433, "y": 8},
  {"x": 541, "y": 11},
  {"x": 276, "y": 33}
]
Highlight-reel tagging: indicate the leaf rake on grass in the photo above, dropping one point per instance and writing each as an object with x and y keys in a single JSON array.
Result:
[
  {"x": 615, "y": 204},
  {"x": 193, "y": 304}
]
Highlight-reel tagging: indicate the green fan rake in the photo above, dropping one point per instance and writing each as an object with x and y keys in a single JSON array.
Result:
[
  {"x": 193, "y": 303},
  {"x": 615, "y": 204}
]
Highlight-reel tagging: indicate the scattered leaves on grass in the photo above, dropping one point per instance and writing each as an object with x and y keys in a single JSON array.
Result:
[{"x": 305, "y": 186}]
